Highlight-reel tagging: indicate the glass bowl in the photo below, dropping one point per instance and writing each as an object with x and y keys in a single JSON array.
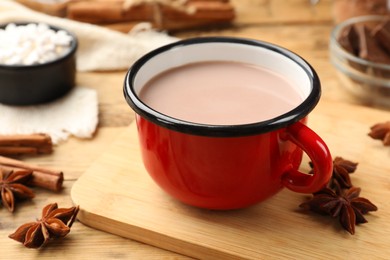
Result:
[{"x": 368, "y": 81}]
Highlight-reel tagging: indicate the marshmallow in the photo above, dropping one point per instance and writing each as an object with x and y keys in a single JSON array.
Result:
[{"x": 32, "y": 44}]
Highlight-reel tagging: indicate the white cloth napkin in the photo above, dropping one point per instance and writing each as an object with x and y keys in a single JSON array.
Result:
[
  {"x": 74, "y": 114},
  {"x": 99, "y": 49}
]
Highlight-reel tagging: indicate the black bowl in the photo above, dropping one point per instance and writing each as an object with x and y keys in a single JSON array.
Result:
[{"x": 39, "y": 83}]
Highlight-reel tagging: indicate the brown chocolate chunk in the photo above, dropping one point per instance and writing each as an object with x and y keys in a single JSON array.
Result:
[
  {"x": 381, "y": 34},
  {"x": 348, "y": 39},
  {"x": 369, "y": 48}
]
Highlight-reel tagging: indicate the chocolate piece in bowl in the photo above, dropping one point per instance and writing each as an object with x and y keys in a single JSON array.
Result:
[
  {"x": 349, "y": 40},
  {"x": 369, "y": 49},
  {"x": 381, "y": 34}
]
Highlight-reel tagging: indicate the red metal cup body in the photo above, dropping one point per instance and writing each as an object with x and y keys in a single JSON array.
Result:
[{"x": 217, "y": 172}]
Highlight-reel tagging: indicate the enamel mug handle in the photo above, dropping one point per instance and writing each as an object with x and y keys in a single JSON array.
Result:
[{"x": 319, "y": 154}]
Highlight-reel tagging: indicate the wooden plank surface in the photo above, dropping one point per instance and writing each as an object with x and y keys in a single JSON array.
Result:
[{"x": 136, "y": 208}]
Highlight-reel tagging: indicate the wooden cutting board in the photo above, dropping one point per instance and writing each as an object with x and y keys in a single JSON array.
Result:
[{"x": 117, "y": 195}]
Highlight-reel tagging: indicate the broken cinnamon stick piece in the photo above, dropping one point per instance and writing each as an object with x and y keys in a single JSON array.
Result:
[
  {"x": 41, "y": 177},
  {"x": 25, "y": 144}
]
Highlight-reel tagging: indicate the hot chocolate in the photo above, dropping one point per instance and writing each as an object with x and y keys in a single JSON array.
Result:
[{"x": 221, "y": 93}]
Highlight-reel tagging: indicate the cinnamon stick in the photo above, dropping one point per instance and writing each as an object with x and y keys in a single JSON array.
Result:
[
  {"x": 25, "y": 144},
  {"x": 162, "y": 16},
  {"x": 207, "y": 12},
  {"x": 41, "y": 177}
]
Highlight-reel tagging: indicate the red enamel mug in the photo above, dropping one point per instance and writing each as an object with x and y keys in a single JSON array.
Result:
[{"x": 229, "y": 166}]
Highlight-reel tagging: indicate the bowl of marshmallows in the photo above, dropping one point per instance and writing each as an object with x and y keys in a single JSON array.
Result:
[{"x": 37, "y": 63}]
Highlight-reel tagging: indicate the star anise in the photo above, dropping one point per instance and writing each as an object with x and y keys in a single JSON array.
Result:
[
  {"x": 12, "y": 187},
  {"x": 381, "y": 131},
  {"x": 348, "y": 207},
  {"x": 340, "y": 176},
  {"x": 55, "y": 223}
]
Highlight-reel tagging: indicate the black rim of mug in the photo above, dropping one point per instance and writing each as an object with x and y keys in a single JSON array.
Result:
[{"x": 281, "y": 121}]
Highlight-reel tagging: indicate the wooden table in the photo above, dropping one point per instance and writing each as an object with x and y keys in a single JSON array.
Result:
[{"x": 294, "y": 24}]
